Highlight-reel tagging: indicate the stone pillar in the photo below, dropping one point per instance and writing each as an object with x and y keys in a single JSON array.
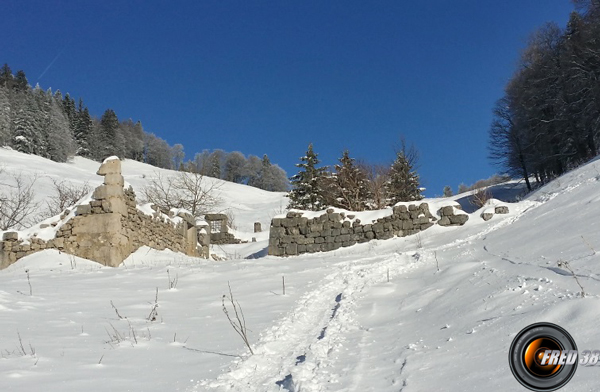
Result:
[
  {"x": 257, "y": 227},
  {"x": 101, "y": 236}
]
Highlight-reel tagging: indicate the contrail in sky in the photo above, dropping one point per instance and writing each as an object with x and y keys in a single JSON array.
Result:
[{"x": 50, "y": 65}]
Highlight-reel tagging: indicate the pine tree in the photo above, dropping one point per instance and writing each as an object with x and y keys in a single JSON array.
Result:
[
  {"x": 107, "y": 137},
  {"x": 57, "y": 132},
  {"x": 403, "y": 184},
  {"x": 6, "y": 76},
  {"x": 70, "y": 111},
  {"x": 83, "y": 131},
  {"x": 307, "y": 192},
  {"x": 214, "y": 169},
  {"x": 5, "y": 117},
  {"x": 20, "y": 83},
  {"x": 27, "y": 124},
  {"x": 351, "y": 188}
]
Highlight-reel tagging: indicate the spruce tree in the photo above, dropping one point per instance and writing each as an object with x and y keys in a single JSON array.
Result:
[
  {"x": 6, "y": 76},
  {"x": 307, "y": 192},
  {"x": 5, "y": 117},
  {"x": 107, "y": 138},
  {"x": 403, "y": 184},
  {"x": 20, "y": 83},
  {"x": 83, "y": 131},
  {"x": 27, "y": 124}
]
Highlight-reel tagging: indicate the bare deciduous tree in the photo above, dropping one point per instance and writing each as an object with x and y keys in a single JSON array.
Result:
[
  {"x": 17, "y": 201},
  {"x": 377, "y": 177},
  {"x": 65, "y": 195},
  {"x": 190, "y": 191}
]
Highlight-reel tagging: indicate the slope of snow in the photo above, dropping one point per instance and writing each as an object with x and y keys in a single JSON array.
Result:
[
  {"x": 246, "y": 204},
  {"x": 443, "y": 321}
]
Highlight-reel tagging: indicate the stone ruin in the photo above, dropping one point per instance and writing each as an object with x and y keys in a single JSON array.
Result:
[
  {"x": 295, "y": 234},
  {"x": 219, "y": 230},
  {"x": 111, "y": 227}
]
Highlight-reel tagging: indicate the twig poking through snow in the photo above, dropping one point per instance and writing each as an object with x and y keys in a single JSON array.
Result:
[
  {"x": 239, "y": 324},
  {"x": 567, "y": 266}
]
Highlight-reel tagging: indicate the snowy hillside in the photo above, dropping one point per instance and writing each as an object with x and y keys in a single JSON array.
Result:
[
  {"x": 246, "y": 204},
  {"x": 455, "y": 299}
]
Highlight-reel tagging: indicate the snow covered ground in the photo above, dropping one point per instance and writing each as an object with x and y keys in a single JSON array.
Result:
[{"x": 444, "y": 320}]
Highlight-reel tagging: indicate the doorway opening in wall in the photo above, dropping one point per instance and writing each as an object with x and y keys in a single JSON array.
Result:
[{"x": 215, "y": 226}]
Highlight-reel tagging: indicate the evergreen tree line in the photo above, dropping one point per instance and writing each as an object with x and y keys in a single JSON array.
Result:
[
  {"x": 352, "y": 185},
  {"x": 47, "y": 124},
  {"x": 548, "y": 120}
]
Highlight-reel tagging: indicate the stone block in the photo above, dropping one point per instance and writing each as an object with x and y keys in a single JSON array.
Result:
[
  {"x": 110, "y": 166},
  {"x": 114, "y": 179},
  {"x": 459, "y": 219},
  {"x": 486, "y": 216},
  {"x": 501, "y": 210},
  {"x": 446, "y": 211},
  {"x": 277, "y": 232},
  {"x": 291, "y": 249},
  {"x": 276, "y": 222},
  {"x": 107, "y": 191},
  {"x": 399, "y": 209},
  {"x": 10, "y": 236},
  {"x": 444, "y": 221},
  {"x": 378, "y": 227},
  {"x": 407, "y": 225}
]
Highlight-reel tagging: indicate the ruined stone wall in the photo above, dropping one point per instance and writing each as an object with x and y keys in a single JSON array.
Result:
[
  {"x": 110, "y": 228},
  {"x": 296, "y": 234}
]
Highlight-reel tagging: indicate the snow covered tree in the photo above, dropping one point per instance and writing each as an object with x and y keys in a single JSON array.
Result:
[
  {"x": 252, "y": 170},
  {"x": 108, "y": 136},
  {"x": 20, "y": 83},
  {"x": 27, "y": 124},
  {"x": 57, "y": 131},
  {"x": 279, "y": 180},
  {"x": 178, "y": 156},
  {"x": 234, "y": 167},
  {"x": 351, "y": 188},
  {"x": 202, "y": 162},
  {"x": 307, "y": 192},
  {"x": 215, "y": 163},
  {"x": 6, "y": 76},
  {"x": 403, "y": 184},
  {"x": 5, "y": 116},
  {"x": 83, "y": 131},
  {"x": 70, "y": 111},
  {"x": 157, "y": 152}
]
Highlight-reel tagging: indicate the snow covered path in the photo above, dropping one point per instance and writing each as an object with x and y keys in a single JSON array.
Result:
[{"x": 296, "y": 353}]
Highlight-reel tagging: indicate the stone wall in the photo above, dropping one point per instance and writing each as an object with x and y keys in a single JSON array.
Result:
[
  {"x": 297, "y": 234},
  {"x": 111, "y": 227}
]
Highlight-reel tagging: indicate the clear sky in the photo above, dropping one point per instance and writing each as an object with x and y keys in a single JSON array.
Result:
[{"x": 272, "y": 76}]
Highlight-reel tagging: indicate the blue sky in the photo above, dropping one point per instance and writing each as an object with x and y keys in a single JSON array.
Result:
[{"x": 272, "y": 76}]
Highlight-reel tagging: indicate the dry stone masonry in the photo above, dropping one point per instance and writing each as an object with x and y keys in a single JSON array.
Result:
[
  {"x": 111, "y": 227},
  {"x": 297, "y": 234}
]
